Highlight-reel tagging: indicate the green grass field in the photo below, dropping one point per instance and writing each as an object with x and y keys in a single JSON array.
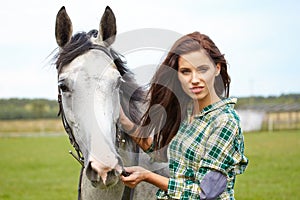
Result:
[
  {"x": 274, "y": 168},
  {"x": 35, "y": 168}
]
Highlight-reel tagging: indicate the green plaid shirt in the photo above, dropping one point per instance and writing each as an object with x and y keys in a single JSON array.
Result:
[{"x": 212, "y": 141}]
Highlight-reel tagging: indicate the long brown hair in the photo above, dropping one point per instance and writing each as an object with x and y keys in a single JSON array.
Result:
[{"x": 167, "y": 101}]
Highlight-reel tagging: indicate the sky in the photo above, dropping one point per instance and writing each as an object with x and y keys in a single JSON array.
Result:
[{"x": 260, "y": 39}]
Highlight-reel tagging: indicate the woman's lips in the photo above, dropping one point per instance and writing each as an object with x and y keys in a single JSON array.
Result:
[{"x": 196, "y": 90}]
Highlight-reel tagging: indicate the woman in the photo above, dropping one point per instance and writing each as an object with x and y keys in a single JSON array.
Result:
[{"x": 191, "y": 114}]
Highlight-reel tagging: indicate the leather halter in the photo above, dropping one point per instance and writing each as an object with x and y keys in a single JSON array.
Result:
[
  {"x": 79, "y": 157},
  {"x": 69, "y": 131}
]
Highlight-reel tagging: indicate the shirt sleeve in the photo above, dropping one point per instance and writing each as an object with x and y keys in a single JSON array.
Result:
[
  {"x": 224, "y": 153},
  {"x": 224, "y": 148},
  {"x": 220, "y": 153},
  {"x": 210, "y": 187}
]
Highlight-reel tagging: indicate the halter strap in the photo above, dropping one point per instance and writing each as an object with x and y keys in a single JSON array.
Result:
[
  {"x": 69, "y": 131},
  {"x": 101, "y": 48}
]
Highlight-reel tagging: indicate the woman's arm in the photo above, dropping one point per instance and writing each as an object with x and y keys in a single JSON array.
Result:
[
  {"x": 144, "y": 143},
  {"x": 129, "y": 127},
  {"x": 138, "y": 174},
  {"x": 212, "y": 185}
]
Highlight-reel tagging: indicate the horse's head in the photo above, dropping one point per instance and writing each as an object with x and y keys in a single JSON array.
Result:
[{"x": 89, "y": 81}]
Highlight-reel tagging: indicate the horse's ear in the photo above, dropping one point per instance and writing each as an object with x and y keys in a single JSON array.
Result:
[
  {"x": 108, "y": 27},
  {"x": 63, "y": 27}
]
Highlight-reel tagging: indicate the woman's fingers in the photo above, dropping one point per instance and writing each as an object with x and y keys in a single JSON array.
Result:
[
  {"x": 135, "y": 177},
  {"x": 132, "y": 169}
]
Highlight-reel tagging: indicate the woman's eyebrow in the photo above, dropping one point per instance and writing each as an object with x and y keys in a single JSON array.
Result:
[{"x": 203, "y": 65}]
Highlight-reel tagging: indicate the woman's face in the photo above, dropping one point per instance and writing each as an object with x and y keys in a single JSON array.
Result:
[{"x": 196, "y": 73}]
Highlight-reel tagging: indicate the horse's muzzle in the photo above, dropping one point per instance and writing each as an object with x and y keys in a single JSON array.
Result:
[{"x": 112, "y": 177}]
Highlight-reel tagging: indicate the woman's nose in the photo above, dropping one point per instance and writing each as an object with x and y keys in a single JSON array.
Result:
[{"x": 195, "y": 78}]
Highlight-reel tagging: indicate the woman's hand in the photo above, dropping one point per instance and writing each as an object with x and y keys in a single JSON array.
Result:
[
  {"x": 137, "y": 174},
  {"x": 126, "y": 124},
  {"x": 133, "y": 131}
]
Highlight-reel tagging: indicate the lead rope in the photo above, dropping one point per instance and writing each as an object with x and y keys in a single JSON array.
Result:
[{"x": 128, "y": 193}]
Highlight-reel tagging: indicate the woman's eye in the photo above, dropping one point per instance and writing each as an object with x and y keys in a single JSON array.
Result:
[
  {"x": 202, "y": 70},
  {"x": 185, "y": 71}
]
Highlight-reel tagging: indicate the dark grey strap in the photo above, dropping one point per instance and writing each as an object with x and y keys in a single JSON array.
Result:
[{"x": 79, "y": 184}]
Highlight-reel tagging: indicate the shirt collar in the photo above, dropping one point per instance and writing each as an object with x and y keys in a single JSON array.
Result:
[{"x": 227, "y": 101}]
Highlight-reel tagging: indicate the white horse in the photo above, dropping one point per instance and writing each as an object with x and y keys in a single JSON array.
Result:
[{"x": 93, "y": 82}]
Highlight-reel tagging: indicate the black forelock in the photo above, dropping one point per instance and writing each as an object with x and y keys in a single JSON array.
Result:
[{"x": 78, "y": 45}]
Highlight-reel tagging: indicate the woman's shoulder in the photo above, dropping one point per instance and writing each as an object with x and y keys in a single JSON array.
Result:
[
  {"x": 226, "y": 113},
  {"x": 225, "y": 108}
]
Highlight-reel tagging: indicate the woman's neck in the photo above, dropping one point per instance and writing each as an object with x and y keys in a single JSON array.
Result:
[{"x": 200, "y": 104}]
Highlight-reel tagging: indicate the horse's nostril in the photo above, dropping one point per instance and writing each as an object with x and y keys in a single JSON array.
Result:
[
  {"x": 113, "y": 173},
  {"x": 112, "y": 178}
]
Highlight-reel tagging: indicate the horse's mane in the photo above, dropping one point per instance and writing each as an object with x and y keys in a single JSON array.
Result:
[{"x": 132, "y": 95}]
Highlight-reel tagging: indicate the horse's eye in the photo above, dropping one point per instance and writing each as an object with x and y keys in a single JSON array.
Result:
[
  {"x": 63, "y": 87},
  {"x": 95, "y": 34}
]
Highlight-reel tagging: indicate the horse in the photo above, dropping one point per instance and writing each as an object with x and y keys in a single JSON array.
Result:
[{"x": 94, "y": 82}]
